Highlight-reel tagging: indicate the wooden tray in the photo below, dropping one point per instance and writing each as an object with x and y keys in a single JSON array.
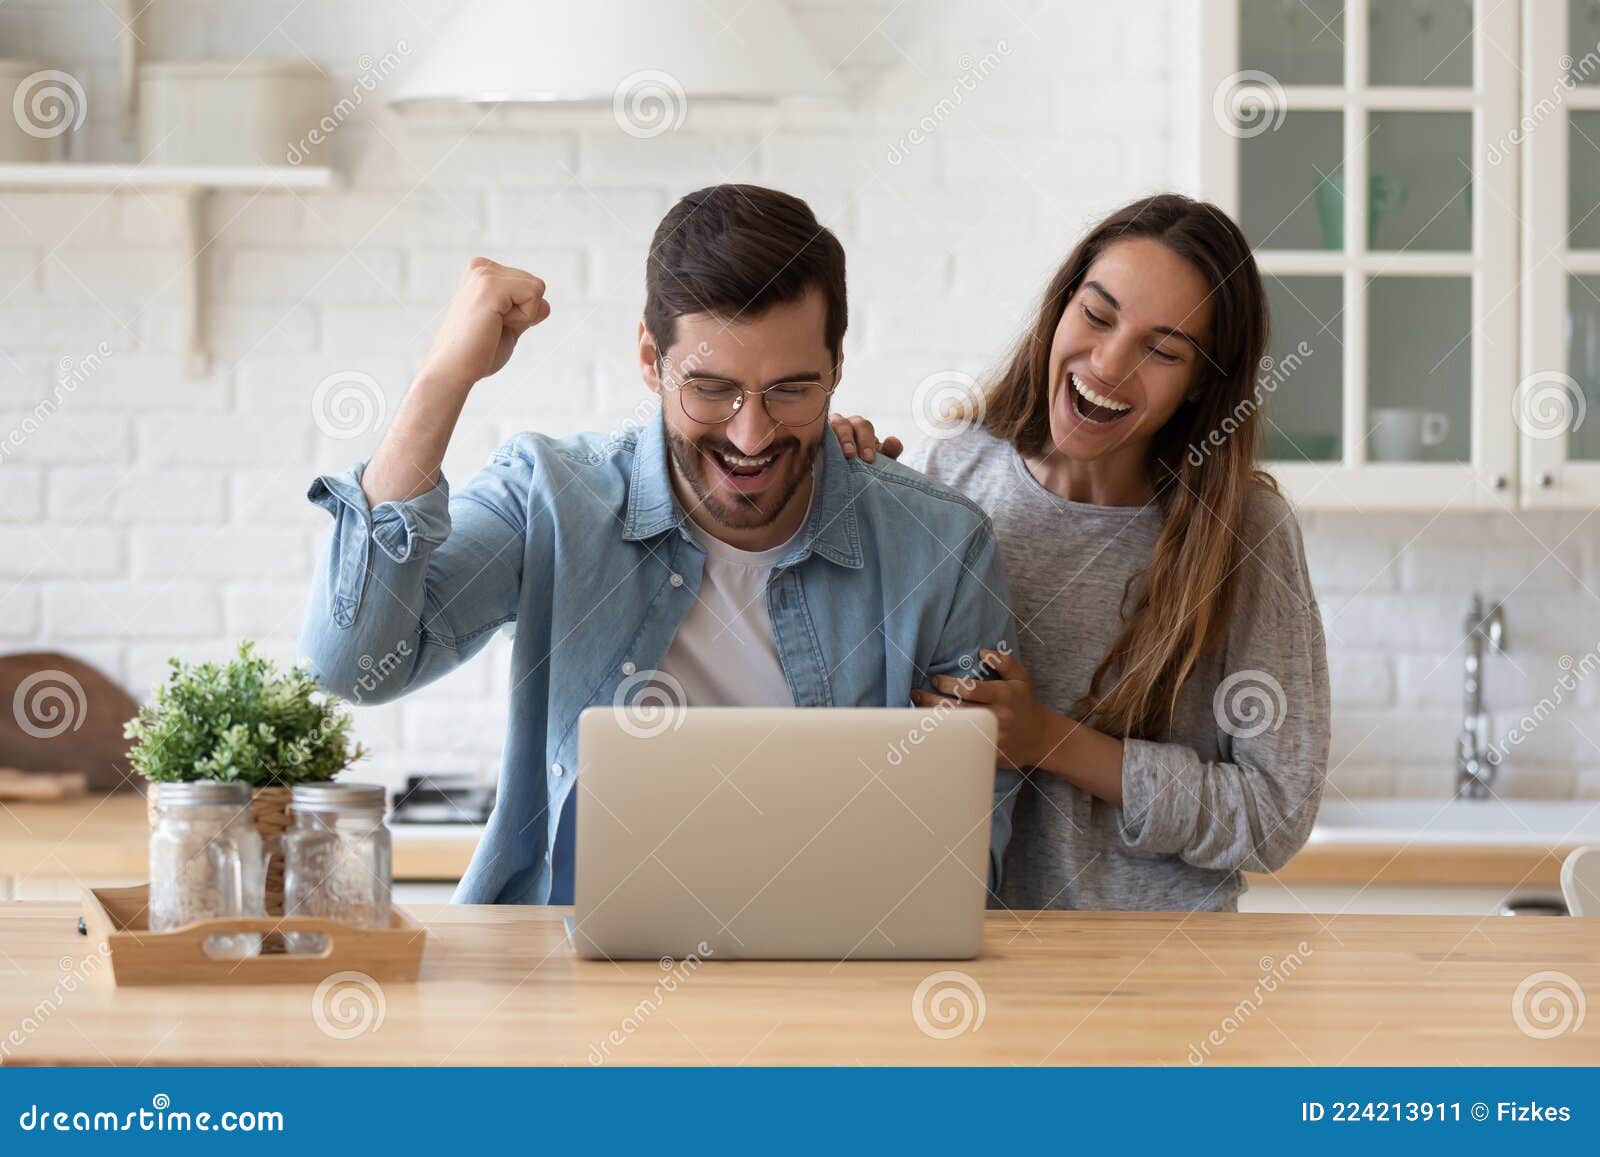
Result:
[{"x": 118, "y": 919}]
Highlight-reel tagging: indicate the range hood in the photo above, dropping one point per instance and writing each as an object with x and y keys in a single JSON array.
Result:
[{"x": 608, "y": 51}]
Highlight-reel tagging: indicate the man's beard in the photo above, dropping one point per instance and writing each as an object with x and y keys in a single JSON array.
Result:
[{"x": 738, "y": 511}]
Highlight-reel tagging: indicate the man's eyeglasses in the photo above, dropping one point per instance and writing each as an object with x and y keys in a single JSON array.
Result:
[{"x": 711, "y": 401}]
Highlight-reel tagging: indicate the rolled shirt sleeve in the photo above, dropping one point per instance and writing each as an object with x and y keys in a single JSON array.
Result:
[
  {"x": 1252, "y": 808},
  {"x": 402, "y": 530},
  {"x": 405, "y": 591}
]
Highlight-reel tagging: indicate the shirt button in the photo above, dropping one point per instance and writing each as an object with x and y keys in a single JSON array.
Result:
[
  {"x": 628, "y": 668},
  {"x": 676, "y": 580},
  {"x": 558, "y": 769}
]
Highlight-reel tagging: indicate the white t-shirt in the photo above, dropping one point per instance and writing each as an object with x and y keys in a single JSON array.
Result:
[{"x": 724, "y": 654}]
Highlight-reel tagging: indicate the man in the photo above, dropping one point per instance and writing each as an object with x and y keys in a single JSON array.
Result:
[{"x": 725, "y": 553}]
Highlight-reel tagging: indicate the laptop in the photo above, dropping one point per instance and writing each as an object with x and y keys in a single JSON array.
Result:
[{"x": 745, "y": 833}]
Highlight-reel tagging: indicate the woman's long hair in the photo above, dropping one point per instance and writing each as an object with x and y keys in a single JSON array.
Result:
[{"x": 1202, "y": 462}]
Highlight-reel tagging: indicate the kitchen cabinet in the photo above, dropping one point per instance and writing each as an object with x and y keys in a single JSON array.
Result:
[
  {"x": 413, "y": 892},
  {"x": 1436, "y": 339},
  {"x": 1388, "y": 899},
  {"x": 64, "y": 887},
  {"x": 52, "y": 850},
  {"x": 1412, "y": 871},
  {"x": 68, "y": 887},
  {"x": 1559, "y": 131}
]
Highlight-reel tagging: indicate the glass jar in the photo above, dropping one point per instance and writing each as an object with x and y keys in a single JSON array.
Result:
[
  {"x": 336, "y": 859},
  {"x": 206, "y": 861}
]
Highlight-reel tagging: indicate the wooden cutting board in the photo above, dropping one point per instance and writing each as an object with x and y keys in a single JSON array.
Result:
[
  {"x": 59, "y": 714},
  {"x": 16, "y": 784}
]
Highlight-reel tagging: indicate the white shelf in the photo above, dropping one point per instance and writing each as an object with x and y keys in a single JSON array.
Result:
[
  {"x": 67, "y": 175},
  {"x": 195, "y": 183},
  {"x": 1373, "y": 262},
  {"x": 1335, "y": 98}
]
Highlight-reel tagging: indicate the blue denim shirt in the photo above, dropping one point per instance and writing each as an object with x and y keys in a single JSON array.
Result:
[{"x": 580, "y": 542}]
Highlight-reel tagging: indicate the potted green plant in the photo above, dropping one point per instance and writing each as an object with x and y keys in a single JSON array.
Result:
[{"x": 244, "y": 721}]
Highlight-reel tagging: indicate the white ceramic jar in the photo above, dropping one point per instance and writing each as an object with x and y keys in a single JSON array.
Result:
[
  {"x": 39, "y": 110},
  {"x": 213, "y": 112}
]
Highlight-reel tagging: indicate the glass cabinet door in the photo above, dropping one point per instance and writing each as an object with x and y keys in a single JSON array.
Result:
[
  {"x": 1291, "y": 184},
  {"x": 1580, "y": 412},
  {"x": 1419, "y": 181},
  {"x": 1303, "y": 39},
  {"x": 1419, "y": 369},
  {"x": 1420, "y": 42},
  {"x": 1304, "y": 410},
  {"x": 1583, "y": 41},
  {"x": 1355, "y": 136},
  {"x": 1583, "y": 180},
  {"x": 1557, "y": 402}
]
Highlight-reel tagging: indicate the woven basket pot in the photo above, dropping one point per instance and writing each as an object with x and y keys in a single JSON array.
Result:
[{"x": 269, "y": 812}]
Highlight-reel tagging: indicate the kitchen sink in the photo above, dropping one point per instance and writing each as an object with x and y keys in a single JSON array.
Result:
[{"x": 1545, "y": 823}]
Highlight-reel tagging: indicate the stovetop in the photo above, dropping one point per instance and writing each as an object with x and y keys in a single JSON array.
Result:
[{"x": 443, "y": 799}]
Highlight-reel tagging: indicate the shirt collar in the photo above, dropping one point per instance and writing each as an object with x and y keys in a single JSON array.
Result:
[{"x": 831, "y": 530}]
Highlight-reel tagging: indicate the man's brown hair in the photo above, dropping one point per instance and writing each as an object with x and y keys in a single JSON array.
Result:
[{"x": 735, "y": 251}]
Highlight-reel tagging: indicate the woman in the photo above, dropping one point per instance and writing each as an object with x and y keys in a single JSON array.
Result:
[{"x": 1171, "y": 694}]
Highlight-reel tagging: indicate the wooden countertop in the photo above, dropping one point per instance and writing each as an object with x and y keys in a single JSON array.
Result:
[
  {"x": 105, "y": 836},
  {"x": 1486, "y": 865},
  {"x": 501, "y": 986}
]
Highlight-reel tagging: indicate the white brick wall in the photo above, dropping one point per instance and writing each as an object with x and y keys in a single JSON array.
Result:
[{"x": 156, "y": 515}]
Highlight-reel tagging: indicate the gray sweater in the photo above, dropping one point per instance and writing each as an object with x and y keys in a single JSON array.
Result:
[{"x": 1234, "y": 782}]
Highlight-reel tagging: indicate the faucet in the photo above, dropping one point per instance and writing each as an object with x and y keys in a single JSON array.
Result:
[{"x": 1476, "y": 760}]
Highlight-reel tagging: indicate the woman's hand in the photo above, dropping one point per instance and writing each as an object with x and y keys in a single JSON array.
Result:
[
  {"x": 855, "y": 431},
  {"x": 1024, "y": 721}
]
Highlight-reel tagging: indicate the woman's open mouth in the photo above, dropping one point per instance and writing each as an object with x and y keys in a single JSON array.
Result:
[
  {"x": 1092, "y": 406},
  {"x": 745, "y": 472}
]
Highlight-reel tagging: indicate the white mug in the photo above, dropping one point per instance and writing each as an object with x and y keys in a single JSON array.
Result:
[{"x": 1400, "y": 435}]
